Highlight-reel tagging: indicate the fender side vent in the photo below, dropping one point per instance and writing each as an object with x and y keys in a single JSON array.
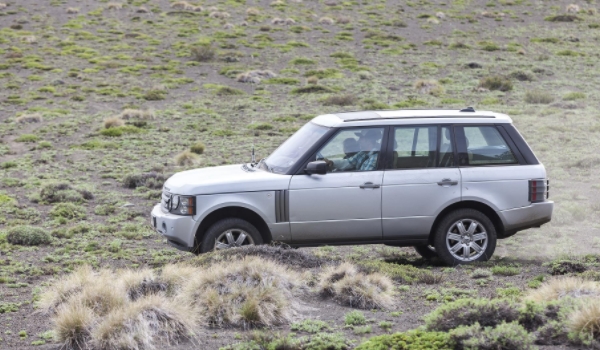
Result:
[{"x": 282, "y": 213}]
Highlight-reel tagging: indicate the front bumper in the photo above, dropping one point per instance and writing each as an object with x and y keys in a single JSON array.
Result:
[
  {"x": 534, "y": 215},
  {"x": 178, "y": 230}
]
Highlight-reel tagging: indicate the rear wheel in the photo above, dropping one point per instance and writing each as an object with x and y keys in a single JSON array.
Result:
[
  {"x": 426, "y": 251},
  {"x": 465, "y": 236},
  {"x": 230, "y": 233}
]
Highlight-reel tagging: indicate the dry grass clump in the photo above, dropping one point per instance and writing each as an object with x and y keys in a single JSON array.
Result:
[
  {"x": 203, "y": 53},
  {"x": 219, "y": 15},
  {"x": 142, "y": 9},
  {"x": 116, "y": 310},
  {"x": 343, "y": 20},
  {"x": 496, "y": 82},
  {"x": 572, "y": 8},
  {"x": 430, "y": 87},
  {"x": 30, "y": 118},
  {"x": 113, "y": 122},
  {"x": 254, "y": 76},
  {"x": 252, "y": 11},
  {"x": 114, "y": 6},
  {"x": 186, "y": 158},
  {"x": 279, "y": 21},
  {"x": 151, "y": 180},
  {"x": 250, "y": 292},
  {"x": 29, "y": 39},
  {"x": 2, "y": 5},
  {"x": 136, "y": 114},
  {"x": 183, "y": 5},
  {"x": 340, "y": 100},
  {"x": 326, "y": 20},
  {"x": 558, "y": 288},
  {"x": 349, "y": 287},
  {"x": 586, "y": 319},
  {"x": 72, "y": 10}
]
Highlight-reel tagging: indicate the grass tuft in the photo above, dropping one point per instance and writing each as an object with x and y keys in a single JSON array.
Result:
[
  {"x": 186, "y": 158},
  {"x": 28, "y": 235}
]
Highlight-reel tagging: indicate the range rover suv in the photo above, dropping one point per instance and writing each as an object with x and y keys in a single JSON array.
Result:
[{"x": 450, "y": 183}]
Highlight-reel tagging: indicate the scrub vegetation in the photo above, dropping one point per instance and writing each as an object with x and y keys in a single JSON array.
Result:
[{"x": 102, "y": 101}]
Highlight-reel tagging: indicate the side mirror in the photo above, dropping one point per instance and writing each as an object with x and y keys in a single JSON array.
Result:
[{"x": 317, "y": 167}]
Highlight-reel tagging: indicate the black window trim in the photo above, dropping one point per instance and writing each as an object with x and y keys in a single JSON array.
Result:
[
  {"x": 390, "y": 145},
  {"x": 520, "y": 143},
  {"x": 461, "y": 146},
  {"x": 312, "y": 153}
]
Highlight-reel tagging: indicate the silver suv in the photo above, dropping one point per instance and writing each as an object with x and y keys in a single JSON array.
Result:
[{"x": 450, "y": 183}]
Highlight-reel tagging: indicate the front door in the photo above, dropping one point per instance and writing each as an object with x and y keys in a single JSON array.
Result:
[
  {"x": 344, "y": 204},
  {"x": 420, "y": 180}
]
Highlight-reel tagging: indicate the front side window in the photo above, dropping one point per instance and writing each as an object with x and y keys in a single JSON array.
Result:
[
  {"x": 353, "y": 150},
  {"x": 414, "y": 147},
  {"x": 485, "y": 146},
  {"x": 284, "y": 157}
]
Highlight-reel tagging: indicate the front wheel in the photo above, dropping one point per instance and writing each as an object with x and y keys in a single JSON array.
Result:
[
  {"x": 230, "y": 233},
  {"x": 465, "y": 236}
]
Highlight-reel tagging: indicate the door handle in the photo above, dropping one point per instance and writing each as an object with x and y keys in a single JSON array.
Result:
[
  {"x": 369, "y": 185},
  {"x": 447, "y": 182}
]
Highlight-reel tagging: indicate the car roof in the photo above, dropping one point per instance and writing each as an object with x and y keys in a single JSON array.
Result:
[{"x": 411, "y": 116}]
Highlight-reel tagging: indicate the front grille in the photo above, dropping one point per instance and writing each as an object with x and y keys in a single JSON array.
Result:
[{"x": 165, "y": 201}]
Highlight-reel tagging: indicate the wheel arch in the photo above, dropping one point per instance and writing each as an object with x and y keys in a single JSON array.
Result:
[
  {"x": 234, "y": 211},
  {"x": 470, "y": 204}
]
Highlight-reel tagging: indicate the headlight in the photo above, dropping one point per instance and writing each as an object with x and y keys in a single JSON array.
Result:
[{"x": 182, "y": 205}]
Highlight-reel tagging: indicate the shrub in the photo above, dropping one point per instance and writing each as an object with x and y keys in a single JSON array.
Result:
[
  {"x": 186, "y": 158},
  {"x": 68, "y": 211},
  {"x": 572, "y": 96},
  {"x": 397, "y": 272},
  {"x": 506, "y": 270},
  {"x": 349, "y": 287},
  {"x": 154, "y": 95},
  {"x": 203, "y": 53},
  {"x": 63, "y": 192},
  {"x": 29, "y": 118},
  {"x": 324, "y": 73},
  {"x": 302, "y": 61},
  {"x": 538, "y": 97},
  {"x": 355, "y": 318},
  {"x": 312, "y": 89},
  {"x": 522, "y": 76},
  {"x": 411, "y": 340},
  {"x": 496, "y": 82},
  {"x": 563, "y": 267},
  {"x": 136, "y": 114},
  {"x": 504, "y": 336},
  {"x": 481, "y": 273},
  {"x": 27, "y": 138},
  {"x": 27, "y": 235},
  {"x": 197, "y": 148},
  {"x": 340, "y": 100},
  {"x": 283, "y": 81},
  {"x": 310, "y": 326},
  {"x": 261, "y": 126},
  {"x": 151, "y": 180},
  {"x": 465, "y": 312},
  {"x": 562, "y": 18}
]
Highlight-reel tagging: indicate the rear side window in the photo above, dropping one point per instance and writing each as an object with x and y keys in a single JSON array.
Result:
[
  {"x": 483, "y": 145},
  {"x": 414, "y": 147}
]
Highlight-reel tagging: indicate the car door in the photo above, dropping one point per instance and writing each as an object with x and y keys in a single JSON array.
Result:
[
  {"x": 420, "y": 180},
  {"x": 345, "y": 203}
]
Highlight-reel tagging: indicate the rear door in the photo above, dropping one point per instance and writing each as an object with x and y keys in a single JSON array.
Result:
[
  {"x": 420, "y": 180},
  {"x": 491, "y": 169}
]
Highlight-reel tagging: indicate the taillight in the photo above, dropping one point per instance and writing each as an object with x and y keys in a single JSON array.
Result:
[{"x": 538, "y": 190}]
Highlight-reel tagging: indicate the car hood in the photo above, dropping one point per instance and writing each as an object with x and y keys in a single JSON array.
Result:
[{"x": 225, "y": 179}]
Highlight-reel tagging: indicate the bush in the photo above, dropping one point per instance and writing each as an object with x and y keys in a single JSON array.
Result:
[
  {"x": 151, "y": 180},
  {"x": 154, "y": 95},
  {"x": 538, "y": 97},
  {"x": 481, "y": 273},
  {"x": 340, "y": 100},
  {"x": 312, "y": 89},
  {"x": 572, "y": 96},
  {"x": 431, "y": 87},
  {"x": 506, "y": 336},
  {"x": 203, "y": 53},
  {"x": 310, "y": 326},
  {"x": 261, "y": 126},
  {"x": 63, "y": 192},
  {"x": 397, "y": 272},
  {"x": 496, "y": 82},
  {"x": 411, "y": 340},
  {"x": 506, "y": 270},
  {"x": 355, "y": 318},
  {"x": 27, "y": 138},
  {"x": 113, "y": 122},
  {"x": 68, "y": 211},
  {"x": 197, "y": 148},
  {"x": 27, "y": 235},
  {"x": 466, "y": 312},
  {"x": 563, "y": 267},
  {"x": 562, "y": 18}
]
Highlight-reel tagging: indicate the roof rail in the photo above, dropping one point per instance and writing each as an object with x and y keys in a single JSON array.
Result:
[{"x": 468, "y": 109}]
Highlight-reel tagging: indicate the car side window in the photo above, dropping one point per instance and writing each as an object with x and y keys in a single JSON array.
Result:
[
  {"x": 446, "y": 157},
  {"x": 414, "y": 147},
  {"x": 485, "y": 146},
  {"x": 352, "y": 150}
]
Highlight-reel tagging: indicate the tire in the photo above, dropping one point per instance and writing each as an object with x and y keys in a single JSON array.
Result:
[
  {"x": 456, "y": 246},
  {"x": 236, "y": 227},
  {"x": 427, "y": 252}
]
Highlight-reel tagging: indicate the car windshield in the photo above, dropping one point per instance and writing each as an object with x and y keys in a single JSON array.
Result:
[{"x": 286, "y": 155}]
